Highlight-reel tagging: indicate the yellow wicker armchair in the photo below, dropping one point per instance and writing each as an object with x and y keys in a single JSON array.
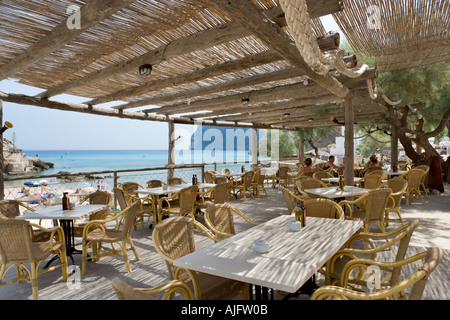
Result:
[
  {"x": 397, "y": 291},
  {"x": 245, "y": 185},
  {"x": 17, "y": 249},
  {"x": 185, "y": 204},
  {"x": 147, "y": 207},
  {"x": 175, "y": 181},
  {"x": 219, "y": 218},
  {"x": 398, "y": 187},
  {"x": 154, "y": 183},
  {"x": 258, "y": 183},
  {"x": 323, "y": 208},
  {"x": 425, "y": 168},
  {"x": 99, "y": 197},
  {"x": 371, "y": 181},
  {"x": 9, "y": 209},
  {"x": 320, "y": 174},
  {"x": 399, "y": 237},
  {"x": 414, "y": 179},
  {"x": 309, "y": 183},
  {"x": 126, "y": 292},
  {"x": 174, "y": 238},
  {"x": 291, "y": 199},
  {"x": 218, "y": 194},
  {"x": 111, "y": 230},
  {"x": 372, "y": 206}
]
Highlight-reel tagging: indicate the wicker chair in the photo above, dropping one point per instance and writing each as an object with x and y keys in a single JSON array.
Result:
[
  {"x": 17, "y": 249},
  {"x": 219, "y": 180},
  {"x": 9, "y": 209},
  {"x": 154, "y": 183},
  {"x": 126, "y": 292},
  {"x": 219, "y": 218},
  {"x": 320, "y": 174},
  {"x": 244, "y": 185},
  {"x": 185, "y": 203},
  {"x": 98, "y": 232},
  {"x": 398, "y": 187},
  {"x": 175, "y": 181},
  {"x": 284, "y": 177},
  {"x": 309, "y": 183},
  {"x": 372, "y": 207},
  {"x": 209, "y": 177},
  {"x": 99, "y": 197},
  {"x": 371, "y": 181},
  {"x": 174, "y": 238},
  {"x": 414, "y": 179},
  {"x": 399, "y": 237},
  {"x": 425, "y": 168},
  {"x": 369, "y": 170},
  {"x": 218, "y": 194},
  {"x": 147, "y": 207},
  {"x": 291, "y": 199},
  {"x": 417, "y": 281},
  {"x": 323, "y": 208},
  {"x": 258, "y": 183}
]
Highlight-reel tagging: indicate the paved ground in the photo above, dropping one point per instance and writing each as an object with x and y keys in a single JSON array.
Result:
[{"x": 151, "y": 270}]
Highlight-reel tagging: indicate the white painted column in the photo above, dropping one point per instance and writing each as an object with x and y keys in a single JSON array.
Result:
[{"x": 254, "y": 147}]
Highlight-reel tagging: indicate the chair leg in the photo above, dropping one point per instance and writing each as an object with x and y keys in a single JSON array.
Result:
[
  {"x": 125, "y": 255},
  {"x": 34, "y": 282},
  {"x": 133, "y": 247}
]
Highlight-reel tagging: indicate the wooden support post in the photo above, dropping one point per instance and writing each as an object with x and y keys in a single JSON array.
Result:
[
  {"x": 171, "y": 159},
  {"x": 2, "y": 182},
  {"x": 254, "y": 148},
  {"x": 349, "y": 143},
  {"x": 301, "y": 148},
  {"x": 394, "y": 148}
]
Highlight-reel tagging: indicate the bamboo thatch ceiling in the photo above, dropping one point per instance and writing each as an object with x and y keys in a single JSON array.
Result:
[{"x": 220, "y": 60}]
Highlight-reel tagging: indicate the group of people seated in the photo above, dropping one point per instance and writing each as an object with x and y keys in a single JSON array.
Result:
[{"x": 308, "y": 167}]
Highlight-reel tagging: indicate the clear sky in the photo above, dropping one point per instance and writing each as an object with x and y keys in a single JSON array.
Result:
[{"x": 38, "y": 128}]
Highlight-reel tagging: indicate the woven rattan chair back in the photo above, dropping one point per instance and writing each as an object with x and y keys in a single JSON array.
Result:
[
  {"x": 372, "y": 169},
  {"x": 248, "y": 178},
  {"x": 175, "y": 238},
  {"x": 15, "y": 241},
  {"x": 225, "y": 170},
  {"x": 154, "y": 183},
  {"x": 221, "y": 217},
  {"x": 120, "y": 197},
  {"x": 323, "y": 208},
  {"x": 220, "y": 192},
  {"x": 372, "y": 181},
  {"x": 310, "y": 183},
  {"x": 9, "y": 208},
  {"x": 129, "y": 219},
  {"x": 376, "y": 204},
  {"x": 175, "y": 181},
  {"x": 283, "y": 173},
  {"x": 126, "y": 292},
  {"x": 209, "y": 177},
  {"x": 414, "y": 177},
  {"x": 187, "y": 198},
  {"x": 398, "y": 187},
  {"x": 288, "y": 199},
  {"x": 130, "y": 186},
  {"x": 321, "y": 175},
  {"x": 99, "y": 197},
  {"x": 220, "y": 180}
]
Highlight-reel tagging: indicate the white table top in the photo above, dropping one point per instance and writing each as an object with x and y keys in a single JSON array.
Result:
[
  {"x": 292, "y": 259},
  {"x": 392, "y": 173},
  {"x": 56, "y": 212},
  {"x": 230, "y": 174},
  {"x": 334, "y": 192},
  {"x": 172, "y": 189},
  {"x": 355, "y": 179}
]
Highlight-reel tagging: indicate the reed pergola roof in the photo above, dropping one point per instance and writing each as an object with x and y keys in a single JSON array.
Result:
[{"x": 222, "y": 62}]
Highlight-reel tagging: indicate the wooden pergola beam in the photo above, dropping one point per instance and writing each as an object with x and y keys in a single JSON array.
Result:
[
  {"x": 93, "y": 12},
  {"x": 201, "y": 40},
  {"x": 253, "y": 19},
  {"x": 83, "y": 108}
]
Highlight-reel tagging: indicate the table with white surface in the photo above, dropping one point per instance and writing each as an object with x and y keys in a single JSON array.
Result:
[
  {"x": 66, "y": 219},
  {"x": 335, "y": 192},
  {"x": 336, "y": 180},
  {"x": 293, "y": 258},
  {"x": 394, "y": 173}
]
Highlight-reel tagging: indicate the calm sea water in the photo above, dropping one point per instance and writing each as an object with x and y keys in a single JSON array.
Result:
[{"x": 107, "y": 160}]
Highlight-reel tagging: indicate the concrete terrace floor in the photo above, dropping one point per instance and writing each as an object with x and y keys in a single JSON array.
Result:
[{"x": 150, "y": 271}]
